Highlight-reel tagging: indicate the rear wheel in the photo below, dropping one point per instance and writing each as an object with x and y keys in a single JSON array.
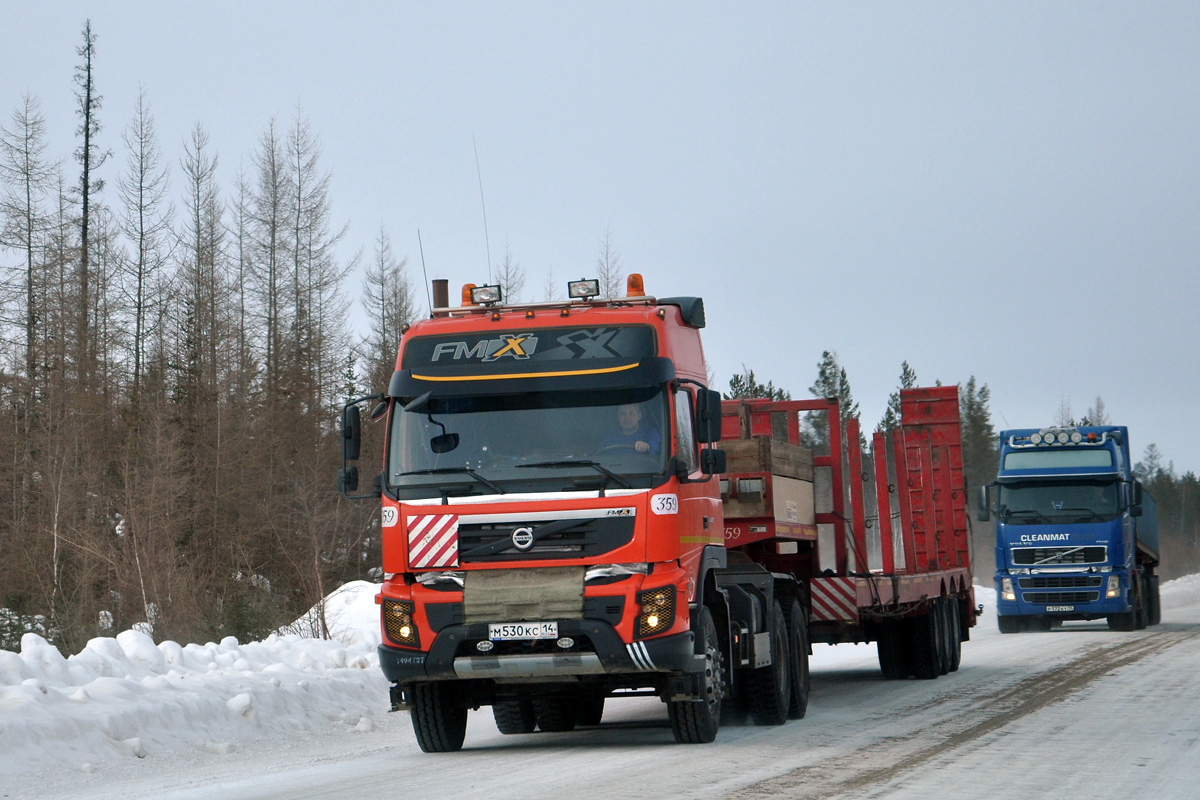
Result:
[
  {"x": 514, "y": 716},
  {"x": 927, "y": 659},
  {"x": 942, "y": 610},
  {"x": 1154, "y": 600},
  {"x": 955, "y": 633},
  {"x": 697, "y": 721},
  {"x": 770, "y": 686},
  {"x": 798, "y": 639},
  {"x": 891, "y": 654},
  {"x": 554, "y": 714},
  {"x": 1141, "y": 611},
  {"x": 440, "y": 726}
]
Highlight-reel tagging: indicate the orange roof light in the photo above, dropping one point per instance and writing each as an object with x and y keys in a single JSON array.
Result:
[
  {"x": 633, "y": 285},
  {"x": 466, "y": 294}
]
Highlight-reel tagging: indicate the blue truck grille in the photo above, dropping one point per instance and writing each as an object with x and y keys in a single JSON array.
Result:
[
  {"x": 1062, "y": 582},
  {"x": 1059, "y": 598},
  {"x": 1053, "y": 556}
]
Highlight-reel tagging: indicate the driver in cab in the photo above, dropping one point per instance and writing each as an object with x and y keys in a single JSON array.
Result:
[{"x": 633, "y": 433}]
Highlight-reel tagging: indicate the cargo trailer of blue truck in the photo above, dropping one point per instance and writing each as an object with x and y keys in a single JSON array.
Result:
[{"x": 1076, "y": 534}]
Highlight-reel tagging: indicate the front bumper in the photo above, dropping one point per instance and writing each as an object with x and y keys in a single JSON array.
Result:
[{"x": 453, "y": 656}]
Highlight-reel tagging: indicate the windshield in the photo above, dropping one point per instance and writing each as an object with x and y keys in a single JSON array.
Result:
[
  {"x": 1058, "y": 503},
  {"x": 540, "y": 442}
]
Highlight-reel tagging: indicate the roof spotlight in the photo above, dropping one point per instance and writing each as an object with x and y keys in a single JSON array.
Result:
[{"x": 583, "y": 289}]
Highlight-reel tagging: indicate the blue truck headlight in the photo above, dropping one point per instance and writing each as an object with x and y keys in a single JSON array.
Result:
[
  {"x": 1006, "y": 589},
  {"x": 1114, "y": 586}
]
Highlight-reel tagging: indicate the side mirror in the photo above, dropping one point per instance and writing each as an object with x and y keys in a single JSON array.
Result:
[
  {"x": 351, "y": 433},
  {"x": 348, "y": 479},
  {"x": 983, "y": 514},
  {"x": 708, "y": 409},
  {"x": 712, "y": 462}
]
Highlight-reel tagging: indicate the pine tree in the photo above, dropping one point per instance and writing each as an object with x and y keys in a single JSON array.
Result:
[
  {"x": 831, "y": 383},
  {"x": 744, "y": 386},
  {"x": 891, "y": 417}
]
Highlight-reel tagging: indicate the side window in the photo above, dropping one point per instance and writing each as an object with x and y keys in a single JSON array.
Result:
[{"x": 685, "y": 437}]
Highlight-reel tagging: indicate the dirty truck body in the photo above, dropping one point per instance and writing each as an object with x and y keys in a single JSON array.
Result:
[{"x": 542, "y": 553}]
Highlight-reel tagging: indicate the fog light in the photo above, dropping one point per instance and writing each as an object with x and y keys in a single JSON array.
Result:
[
  {"x": 1114, "y": 586},
  {"x": 1006, "y": 589},
  {"x": 398, "y": 622},
  {"x": 658, "y": 610},
  {"x": 566, "y": 643}
]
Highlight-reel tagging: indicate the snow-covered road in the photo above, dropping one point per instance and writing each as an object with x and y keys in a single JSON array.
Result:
[{"x": 1081, "y": 711}]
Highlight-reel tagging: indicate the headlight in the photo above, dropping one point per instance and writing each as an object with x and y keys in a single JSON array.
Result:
[
  {"x": 398, "y": 622},
  {"x": 1006, "y": 589},
  {"x": 658, "y": 611},
  {"x": 1114, "y": 586}
]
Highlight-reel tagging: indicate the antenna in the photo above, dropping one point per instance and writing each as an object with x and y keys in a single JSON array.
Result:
[
  {"x": 486, "y": 243},
  {"x": 424, "y": 274}
]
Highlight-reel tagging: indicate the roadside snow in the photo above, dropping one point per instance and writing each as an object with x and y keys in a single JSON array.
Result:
[{"x": 126, "y": 698}]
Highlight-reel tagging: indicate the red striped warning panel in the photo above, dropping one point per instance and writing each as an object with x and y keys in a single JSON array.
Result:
[
  {"x": 433, "y": 541},
  {"x": 834, "y": 599}
]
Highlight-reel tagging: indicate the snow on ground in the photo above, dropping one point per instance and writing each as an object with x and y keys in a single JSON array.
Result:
[{"x": 126, "y": 697}]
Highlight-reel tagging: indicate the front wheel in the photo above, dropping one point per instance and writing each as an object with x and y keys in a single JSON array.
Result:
[
  {"x": 1010, "y": 624},
  {"x": 697, "y": 721},
  {"x": 440, "y": 725}
]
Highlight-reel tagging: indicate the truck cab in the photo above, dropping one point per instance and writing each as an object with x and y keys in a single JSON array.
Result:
[{"x": 1075, "y": 532}]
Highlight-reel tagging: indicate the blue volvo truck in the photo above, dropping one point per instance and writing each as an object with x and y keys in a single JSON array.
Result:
[{"x": 1076, "y": 534}]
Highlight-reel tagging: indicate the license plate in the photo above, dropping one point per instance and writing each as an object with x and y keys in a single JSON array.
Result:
[
  {"x": 516, "y": 631},
  {"x": 1060, "y": 608}
]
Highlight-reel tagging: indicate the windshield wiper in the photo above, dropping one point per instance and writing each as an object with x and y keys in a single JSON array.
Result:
[
  {"x": 1057, "y": 556},
  {"x": 1095, "y": 514},
  {"x": 455, "y": 471},
  {"x": 1027, "y": 512},
  {"x": 580, "y": 462}
]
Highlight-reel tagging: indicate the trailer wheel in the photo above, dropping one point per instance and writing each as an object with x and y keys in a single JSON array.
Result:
[
  {"x": 514, "y": 716},
  {"x": 927, "y": 657},
  {"x": 697, "y": 721},
  {"x": 440, "y": 726},
  {"x": 1155, "y": 600},
  {"x": 554, "y": 714},
  {"x": 798, "y": 639},
  {"x": 942, "y": 612},
  {"x": 1010, "y": 624},
  {"x": 892, "y": 662},
  {"x": 770, "y": 686},
  {"x": 955, "y": 633}
]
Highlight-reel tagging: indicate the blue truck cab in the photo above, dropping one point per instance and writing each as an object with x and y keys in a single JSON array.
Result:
[{"x": 1076, "y": 534}]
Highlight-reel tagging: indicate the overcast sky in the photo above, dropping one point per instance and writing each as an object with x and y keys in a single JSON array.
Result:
[{"x": 1009, "y": 190}]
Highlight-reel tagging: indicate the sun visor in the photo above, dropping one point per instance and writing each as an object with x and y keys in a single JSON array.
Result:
[
  {"x": 690, "y": 308},
  {"x": 654, "y": 371}
]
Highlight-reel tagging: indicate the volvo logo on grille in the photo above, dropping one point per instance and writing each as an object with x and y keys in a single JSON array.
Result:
[{"x": 522, "y": 538}]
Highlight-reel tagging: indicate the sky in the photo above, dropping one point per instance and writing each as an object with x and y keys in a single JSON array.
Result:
[
  {"x": 1009, "y": 191},
  {"x": 126, "y": 708}
]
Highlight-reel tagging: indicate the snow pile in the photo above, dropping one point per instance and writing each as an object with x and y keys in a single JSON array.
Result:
[
  {"x": 126, "y": 696},
  {"x": 1181, "y": 592}
]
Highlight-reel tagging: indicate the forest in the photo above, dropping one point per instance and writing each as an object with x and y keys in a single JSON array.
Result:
[{"x": 174, "y": 358}]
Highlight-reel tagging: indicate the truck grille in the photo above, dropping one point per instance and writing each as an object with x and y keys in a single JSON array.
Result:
[
  {"x": 491, "y": 542},
  {"x": 1059, "y": 598},
  {"x": 1063, "y": 582},
  {"x": 1029, "y": 556}
]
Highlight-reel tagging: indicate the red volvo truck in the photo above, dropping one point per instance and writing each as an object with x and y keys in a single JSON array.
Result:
[{"x": 570, "y": 514}]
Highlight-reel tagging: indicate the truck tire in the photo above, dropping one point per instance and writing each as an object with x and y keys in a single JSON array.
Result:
[
  {"x": 956, "y": 633},
  {"x": 1141, "y": 610},
  {"x": 1010, "y": 624},
  {"x": 797, "y": 627},
  {"x": 554, "y": 714},
  {"x": 1121, "y": 622},
  {"x": 589, "y": 709},
  {"x": 514, "y": 716},
  {"x": 942, "y": 611},
  {"x": 926, "y": 633},
  {"x": 892, "y": 662},
  {"x": 771, "y": 686},
  {"x": 1154, "y": 599},
  {"x": 697, "y": 721},
  {"x": 440, "y": 725}
]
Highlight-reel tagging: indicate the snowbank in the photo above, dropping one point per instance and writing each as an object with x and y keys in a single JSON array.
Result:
[{"x": 126, "y": 696}]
